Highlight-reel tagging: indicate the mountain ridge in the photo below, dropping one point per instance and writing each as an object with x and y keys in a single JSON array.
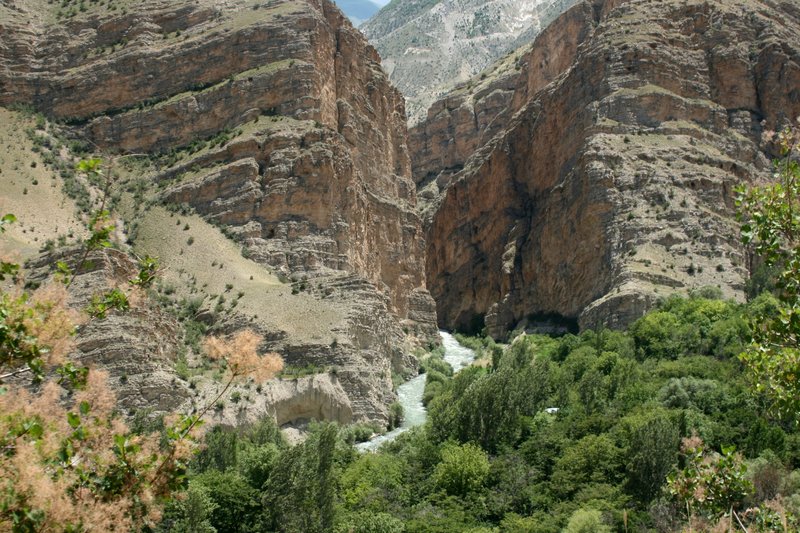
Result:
[{"x": 429, "y": 46}]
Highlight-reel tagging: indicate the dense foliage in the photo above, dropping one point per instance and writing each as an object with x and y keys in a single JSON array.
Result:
[{"x": 641, "y": 430}]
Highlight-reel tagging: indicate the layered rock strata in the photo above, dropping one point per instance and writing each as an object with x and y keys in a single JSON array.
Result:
[
  {"x": 593, "y": 173},
  {"x": 138, "y": 348},
  {"x": 274, "y": 120}
]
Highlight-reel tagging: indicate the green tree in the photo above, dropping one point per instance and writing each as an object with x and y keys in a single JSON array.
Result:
[
  {"x": 593, "y": 459},
  {"x": 326, "y": 476},
  {"x": 369, "y": 522},
  {"x": 490, "y": 408},
  {"x": 299, "y": 494},
  {"x": 194, "y": 510},
  {"x": 653, "y": 452},
  {"x": 220, "y": 451},
  {"x": 235, "y": 502},
  {"x": 586, "y": 521},
  {"x": 255, "y": 463},
  {"x": 374, "y": 482},
  {"x": 657, "y": 335},
  {"x": 463, "y": 469}
]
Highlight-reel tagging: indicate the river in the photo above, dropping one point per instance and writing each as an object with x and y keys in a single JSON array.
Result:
[{"x": 409, "y": 394}]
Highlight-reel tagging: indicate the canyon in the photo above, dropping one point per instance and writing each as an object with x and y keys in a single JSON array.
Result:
[
  {"x": 249, "y": 284},
  {"x": 263, "y": 155}
]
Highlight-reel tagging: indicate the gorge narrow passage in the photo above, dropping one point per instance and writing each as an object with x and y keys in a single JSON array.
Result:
[{"x": 409, "y": 394}]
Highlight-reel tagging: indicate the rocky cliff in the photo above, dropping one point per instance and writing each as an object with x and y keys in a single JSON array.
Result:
[
  {"x": 593, "y": 171},
  {"x": 273, "y": 121},
  {"x": 430, "y": 46}
]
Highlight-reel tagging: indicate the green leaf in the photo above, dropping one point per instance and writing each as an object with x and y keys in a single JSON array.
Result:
[
  {"x": 35, "y": 430},
  {"x": 8, "y": 269},
  {"x": 73, "y": 420},
  {"x": 85, "y": 407},
  {"x": 91, "y": 166},
  {"x": 7, "y": 219},
  {"x": 728, "y": 450},
  {"x": 67, "y": 451}
]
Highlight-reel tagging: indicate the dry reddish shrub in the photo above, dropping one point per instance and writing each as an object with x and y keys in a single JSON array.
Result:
[
  {"x": 66, "y": 458},
  {"x": 241, "y": 356},
  {"x": 40, "y": 326},
  {"x": 74, "y": 462},
  {"x": 56, "y": 322}
]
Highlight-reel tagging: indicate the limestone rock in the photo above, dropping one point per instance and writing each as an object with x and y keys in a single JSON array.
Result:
[
  {"x": 599, "y": 176},
  {"x": 137, "y": 348},
  {"x": 284, "y": 131}
]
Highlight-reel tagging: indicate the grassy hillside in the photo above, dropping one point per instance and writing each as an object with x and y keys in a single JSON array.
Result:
[
  {"x": 201, "y": 262},
  {"x": 31, "y": 190}
]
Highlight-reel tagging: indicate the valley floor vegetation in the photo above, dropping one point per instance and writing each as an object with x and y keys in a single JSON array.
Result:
[{"x": 651, "y": 429}]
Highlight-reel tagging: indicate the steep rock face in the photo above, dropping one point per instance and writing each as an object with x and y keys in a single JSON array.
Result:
[
  {"x": 610, "y": 180},
  {"x": 468, "y": 117},
  {"x": 316, "y": 398},
  {"x": 428, "y": 47},
  {"x": 137, "y": 348},
  {"x": 272, "y": 119}
]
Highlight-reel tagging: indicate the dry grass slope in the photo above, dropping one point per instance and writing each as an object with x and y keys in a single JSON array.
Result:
[
  {"x": 31, "y": 191},
  {"x": 213, "y": 262}
]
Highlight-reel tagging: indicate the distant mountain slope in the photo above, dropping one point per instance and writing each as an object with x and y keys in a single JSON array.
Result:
[
  {"x": 430, "y": 46},
  {"x": 358, "y": 11}
]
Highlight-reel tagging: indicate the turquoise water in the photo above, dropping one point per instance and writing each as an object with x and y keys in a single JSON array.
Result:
[{"x": 409, "y": 394}]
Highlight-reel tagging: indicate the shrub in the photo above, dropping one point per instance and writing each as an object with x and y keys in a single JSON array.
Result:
[
  {"x": 463, "y": 469},
  {"x": 396, "y": 415},
  {"x": 657, "y": 335},
  {"x": 368, "y": 522},
  {"x": 586, "y": 521},
  {"x": 710, "y": 484},
  {"x": 235, "y": 502}
]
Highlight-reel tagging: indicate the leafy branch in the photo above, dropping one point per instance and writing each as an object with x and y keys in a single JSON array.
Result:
[
  {"x": 770, "y": 218},
  {"x": 6, "y": 268}
]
